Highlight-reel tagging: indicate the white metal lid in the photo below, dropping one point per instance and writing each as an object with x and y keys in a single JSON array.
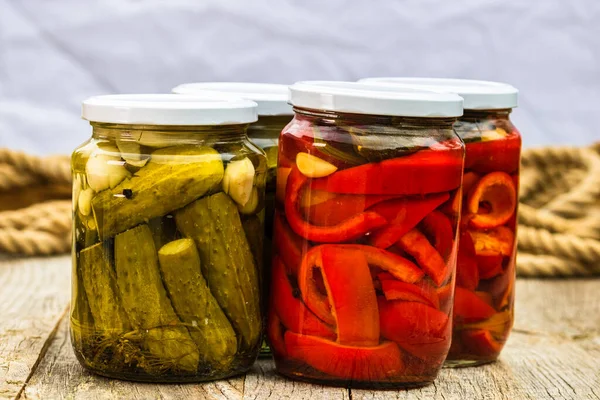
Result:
[
  {"x": 169, "y": 109},
  {"x": 272, "y": 99},
  {"x": 361, "y": 98},
  {"x": 478, "y": 95}
]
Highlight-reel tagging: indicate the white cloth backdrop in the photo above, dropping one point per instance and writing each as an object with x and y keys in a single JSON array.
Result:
[{"x": 53, "y": 54}]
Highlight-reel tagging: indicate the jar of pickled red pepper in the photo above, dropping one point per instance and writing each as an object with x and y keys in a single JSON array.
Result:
[
  {"x": 365, "y": 235},
  {"x": 485, "y": 277},
  {"x": 274, "y": 113},
  {"x": 168, "y": 200}
]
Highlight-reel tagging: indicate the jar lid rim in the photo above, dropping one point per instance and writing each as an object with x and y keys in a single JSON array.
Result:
[
  {"x": 477, "y": 94},
  {"x": 363, "y": 98},
  {"x": 169, "y": 109},
  {"x": 272, "y": 98}
]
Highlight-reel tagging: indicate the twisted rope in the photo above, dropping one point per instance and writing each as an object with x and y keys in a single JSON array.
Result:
[
  {"x": 559, "y": 212},
  {"x": 43, "y": 228}
]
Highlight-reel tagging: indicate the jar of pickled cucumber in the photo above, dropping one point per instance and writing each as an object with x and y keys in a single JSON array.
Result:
[
  {"x": 168, "y": 199},
  {"x": 485, "y": 277},
  {"x": 274, "y": 113},
  {"x": 365, "y": 235}
]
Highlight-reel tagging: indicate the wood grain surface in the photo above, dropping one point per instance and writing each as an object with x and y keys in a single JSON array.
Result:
[{"x": 553, "y": 353}]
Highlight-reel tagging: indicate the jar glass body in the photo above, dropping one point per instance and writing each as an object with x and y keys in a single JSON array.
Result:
[
  {"x": 364, "y": 248},
  {"x": 485, "y": 277},
  {"x": 167, "y": 221}
]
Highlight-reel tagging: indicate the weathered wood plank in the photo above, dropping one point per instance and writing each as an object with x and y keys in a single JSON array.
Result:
[
  {"x": 35, "y": 293},
  {"x": 265, "y": 383},
  {"x": 570, "y": 308}
]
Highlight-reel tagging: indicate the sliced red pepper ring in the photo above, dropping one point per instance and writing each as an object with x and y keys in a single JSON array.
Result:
[
  {"x": 332, "y": 209},
  {"x": 419, "y": 329},
  {"x": 402, "y": 216},
  {"x": 350, "y": 302},
  {"x": 399, "y": 267},
  {"x": 289, "y": 245},
  {"x": 275, "y": 333},
  {"x": 292, "y": 313},
  {"x": 350, "y": 229},
  {"x": 496, "y": 192},
  {"x": 437, "y": 226},
  {"x": 468, "y": 307},
  {"x": 397, "y": 290},
  {"x": 376, "y": 363},
  {"x": 481, "y": 342},
  {"x": 496, "y": 155},
  {"x": 467, "y": 272},
  {"x": 417, "y": 245},
  {"x": 499, "y": 240},
  {"x": 423, "y": 172}
]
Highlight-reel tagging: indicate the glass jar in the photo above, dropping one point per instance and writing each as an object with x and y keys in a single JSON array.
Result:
[
  {"x": 485, "y": 277},
  {"x": 365, "y": 237},
  {"x": 168, "y": 215},
  {"x": 274, "y": 113}
]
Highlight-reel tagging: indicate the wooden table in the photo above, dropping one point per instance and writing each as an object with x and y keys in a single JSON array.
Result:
[{"x": 553, "y": 352}]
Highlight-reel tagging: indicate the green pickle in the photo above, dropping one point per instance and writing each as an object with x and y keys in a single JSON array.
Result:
[
  {"x": 166, "y": 257},
  {"x": 194, "y": 303},
  {"x": 172, "y": 178},
  {"x": 227, "y": 262}
]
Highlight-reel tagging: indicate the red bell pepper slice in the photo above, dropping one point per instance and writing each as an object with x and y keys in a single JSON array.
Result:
[
  {"x": 292, "y": 313},
  {"x": 419, "y": 329},
  {"x": 417, "y": 245},
  {"x": 339, "y": 207},
  {"x": 489, "y": 266},
  {"x": 423, "y": 172},
  {"x": 288, "y": 245},
  {"x": 467, "y": 271},
  {"x": 350, "y": 229},
  {"x": 275, "y": 333},
  {"x": 402, "y": 216},
  {"x": 481, "y": 343},
  {"x": 399, "y": 267},
  {"x": 499, "y": 240},
  {"x": 497, "y": 192},
  {"x": 380, "y": 362},
  {"x": 397, "y": 290},
  {"x": 468, "y": 307},
  {"x": 437, "y": 226},
  {"x": 496, "y": 155},
  {"x": 350, "y": 301}
]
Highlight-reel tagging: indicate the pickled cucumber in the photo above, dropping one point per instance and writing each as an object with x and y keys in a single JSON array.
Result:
[
  {"x": 99, "y": 283},
  {"x": 227, "y": 262},
  {"x": 164, "y": 184},
  {"x": 194, "y": 303},
  {"x": 81, "y": 315},
  {"x": 146, "y": 303}
]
